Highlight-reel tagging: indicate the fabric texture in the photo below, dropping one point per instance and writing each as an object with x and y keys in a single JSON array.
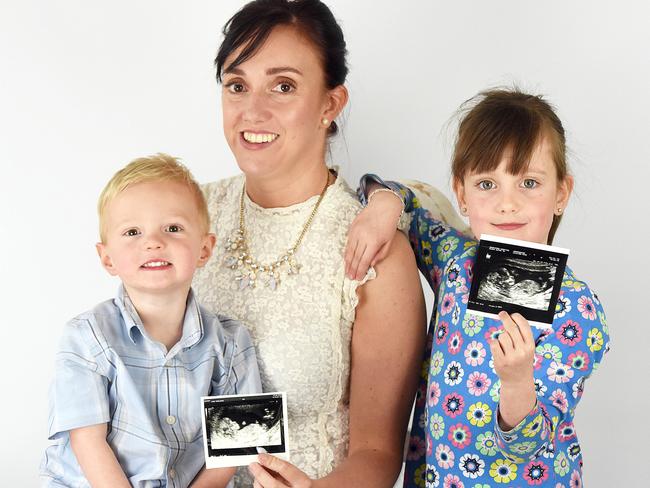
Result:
[
  {"x": 301, "y": 330},
  {"x": 455, "y": 437},
  {"x": 109, "y": 371}
]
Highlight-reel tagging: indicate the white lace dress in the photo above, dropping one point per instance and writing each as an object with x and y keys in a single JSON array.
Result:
[{"x": 302, "y": 329}]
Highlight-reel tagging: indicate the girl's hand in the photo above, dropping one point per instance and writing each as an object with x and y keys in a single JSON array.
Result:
[
  {"x": 513, "y": 353},
  {"x": 273, "y": 472},
  {"x": 514, "y": 350},
  {"x": 371, "y": 234}
]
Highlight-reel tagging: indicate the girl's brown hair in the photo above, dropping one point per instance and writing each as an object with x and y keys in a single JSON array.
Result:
[{"x": 501, "y": 120}]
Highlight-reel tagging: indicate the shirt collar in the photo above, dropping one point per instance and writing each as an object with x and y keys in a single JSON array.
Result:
[{"x": 192, "y": 321}]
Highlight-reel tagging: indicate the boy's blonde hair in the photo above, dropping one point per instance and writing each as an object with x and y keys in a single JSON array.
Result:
[{"x": 159, "y": 167}]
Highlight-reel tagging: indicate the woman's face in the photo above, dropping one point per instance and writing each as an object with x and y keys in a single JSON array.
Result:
[{"x": 273, "y": 106}]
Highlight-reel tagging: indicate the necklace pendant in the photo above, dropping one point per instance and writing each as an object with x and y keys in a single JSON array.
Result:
[{"x": 273, "y": 283}]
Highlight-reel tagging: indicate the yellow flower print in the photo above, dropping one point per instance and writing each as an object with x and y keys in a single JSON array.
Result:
[
  {"x": 503, "y": 471},
  {"x": 426, "y": 252},
  {"x": 479, "y": 414},
  {"x": 418, "y": 476},
  {"x": 533, "y": 427},
  {"x": 595, "y": 340},
  {"x": 576, "y": 285}
]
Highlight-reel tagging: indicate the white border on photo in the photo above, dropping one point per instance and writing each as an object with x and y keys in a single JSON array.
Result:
[
  {"x": 518, "y": 242},
  {"x": 226, "y": 461}
]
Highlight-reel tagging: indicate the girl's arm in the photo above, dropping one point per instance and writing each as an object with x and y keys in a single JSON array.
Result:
[
  {"x": 563, "y": 359},
  {"x": 371, "y": 233},
  {"x": 96, "y": 458},
  {"x": 387, "y": 343}
]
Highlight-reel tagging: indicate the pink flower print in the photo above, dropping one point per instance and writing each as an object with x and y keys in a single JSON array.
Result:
[
  {"x": 537, "y": 361},
  {"x": 444, "y": 456},
  {"x": 452, "y": 481},
  {"x": 536, "y": 472},
  {"x": 493, "y": 333},
  {"x": 455, "y": 343},
  {"x": 478, "y": 383},
  {"x": 448, "y": 302},
  {"x": 586, "y": 308},
  {"x": 416, "y": 448},
  {"x": 468, "y": 268},
  {"x": 453, "y": 405},
  {"x": 576, "y": 480},
  {"x": 558, "y": 399},
  {"x": 429, "y": 446},
  {"x": 460, "y": 435},
  {"x": 559, "y": 372},
  {"x": 436, "y": 277},
  {"x": 441, "y": 332},
  {"x": 434, "y": 393},
  {"x": 475, "y": 353},
  {"x": 566, "y": 431},
  {"x": 569, "y": 333},
  {"x": 578, "y": 360}
]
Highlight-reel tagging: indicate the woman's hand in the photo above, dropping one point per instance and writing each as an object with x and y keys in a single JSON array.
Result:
[
  {"x": 513, "y": 353},
  {"x": 273, "y": 472},
  {"x": 371, "y": 234}
]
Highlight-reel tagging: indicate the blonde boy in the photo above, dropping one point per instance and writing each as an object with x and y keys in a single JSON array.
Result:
[{"x": 125, "y": 404}]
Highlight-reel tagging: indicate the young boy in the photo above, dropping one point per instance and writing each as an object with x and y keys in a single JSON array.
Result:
[{"x": 125, "y": 406}]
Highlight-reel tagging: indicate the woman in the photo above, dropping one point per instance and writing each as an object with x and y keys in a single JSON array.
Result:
[{"x": 346, "y": 352}]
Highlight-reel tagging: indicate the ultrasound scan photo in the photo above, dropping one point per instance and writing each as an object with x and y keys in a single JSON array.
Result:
[{"x": 512, "y": 280}]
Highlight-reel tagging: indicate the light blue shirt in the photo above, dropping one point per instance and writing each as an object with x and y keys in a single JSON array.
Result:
[{"x": 108, "y": 370}]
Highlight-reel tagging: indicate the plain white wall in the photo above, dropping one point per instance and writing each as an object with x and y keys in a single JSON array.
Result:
[{"x": 85, "y": 86}]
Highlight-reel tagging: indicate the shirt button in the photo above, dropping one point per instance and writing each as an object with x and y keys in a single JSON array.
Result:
[
  {"x": 172, "y": 473},
  {"x": 171, "y": 420}
]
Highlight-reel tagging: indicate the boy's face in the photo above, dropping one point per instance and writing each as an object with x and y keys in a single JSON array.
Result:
[{"x": 154, "y": 239}]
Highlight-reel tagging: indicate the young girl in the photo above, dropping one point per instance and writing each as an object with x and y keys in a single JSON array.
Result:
[{"x": 497, "y": 398}]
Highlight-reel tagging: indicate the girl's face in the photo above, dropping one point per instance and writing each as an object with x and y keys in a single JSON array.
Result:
[
  {"x": 274, "y": 104},
  {"x": 516, "y": 206}
]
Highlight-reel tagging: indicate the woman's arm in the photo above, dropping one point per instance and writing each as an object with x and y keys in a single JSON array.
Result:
[
  {"x": 387, "y": 344},
  {"x": 96, "y": 458}
]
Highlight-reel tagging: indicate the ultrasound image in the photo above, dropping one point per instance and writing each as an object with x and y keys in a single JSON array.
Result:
[
  {"x": 520, "y": 282},
  {"x": 237, "y": 426}
]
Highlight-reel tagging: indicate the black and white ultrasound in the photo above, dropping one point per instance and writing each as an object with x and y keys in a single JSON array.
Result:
[
  {"x": 517, "y": 276},
  {"x": 239, "y": 427}
]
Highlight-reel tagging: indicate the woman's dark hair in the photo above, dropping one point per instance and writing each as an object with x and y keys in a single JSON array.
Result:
[
  {"x": 251, "y": 26},
  {"x": 501, "y": 120}
]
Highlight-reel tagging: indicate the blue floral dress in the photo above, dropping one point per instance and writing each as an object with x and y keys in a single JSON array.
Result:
[{"x": 455, "y": 437}]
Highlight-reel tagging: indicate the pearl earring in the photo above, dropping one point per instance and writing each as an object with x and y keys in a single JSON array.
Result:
[
  {"x": 559, "y": 210},
  {"x": 325, "y": 122},
  {"x": 464, "y": 210}
]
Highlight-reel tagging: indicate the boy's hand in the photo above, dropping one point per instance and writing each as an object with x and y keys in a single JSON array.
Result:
[
  {"x": 513, "y": 354},
  {"x": 371, "y": 234}
]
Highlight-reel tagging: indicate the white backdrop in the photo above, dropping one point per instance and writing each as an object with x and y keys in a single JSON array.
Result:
[{"x": 86, "y": 86}]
